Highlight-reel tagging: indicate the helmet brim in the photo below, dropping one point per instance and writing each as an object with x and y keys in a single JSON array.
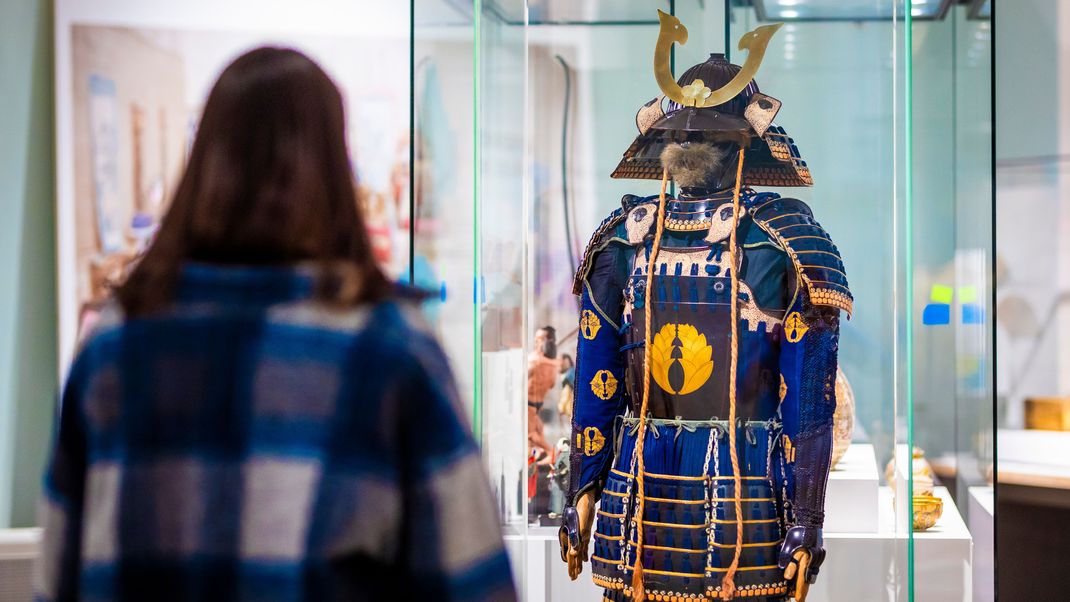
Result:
[{"x": 772, "y": 159}]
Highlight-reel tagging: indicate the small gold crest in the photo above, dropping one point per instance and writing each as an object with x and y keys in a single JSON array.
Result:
[
  {"x": 589, "y": 324},
  {"x": 789, "y": 450},
  {"x": 681, "y": 343},
  {"x": 783, "y": 388},
  {"x": 593, "y": 441},
  {"x": 794, "y": 327},
  {"x": 696, "y": 92},
  {"x": 604, "y": 384}
]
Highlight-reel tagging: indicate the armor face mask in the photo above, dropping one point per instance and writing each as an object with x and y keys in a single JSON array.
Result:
[{"x": 699, "y": 165}]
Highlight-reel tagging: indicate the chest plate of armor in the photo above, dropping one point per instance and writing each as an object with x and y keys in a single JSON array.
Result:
[{"x": 690, "y": 331}]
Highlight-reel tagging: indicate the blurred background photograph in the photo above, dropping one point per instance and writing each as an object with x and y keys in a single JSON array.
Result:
[{"x": 134, "y": 97}]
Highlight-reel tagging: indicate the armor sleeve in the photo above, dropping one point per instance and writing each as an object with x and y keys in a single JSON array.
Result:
[
  {"x": 808, "y": 365},
  {"x": 599, "y": 393},
  {"x": 808, "y": 352}
]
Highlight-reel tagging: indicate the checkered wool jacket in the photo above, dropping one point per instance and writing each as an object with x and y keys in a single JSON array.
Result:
[{"x": 251, "y": 443}]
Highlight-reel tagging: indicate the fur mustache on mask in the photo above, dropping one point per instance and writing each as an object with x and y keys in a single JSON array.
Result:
[{"x": 695, "y": 164}]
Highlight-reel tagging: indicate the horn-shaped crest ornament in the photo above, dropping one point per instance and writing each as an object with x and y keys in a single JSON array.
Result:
[{"x": 696, "y": 94}]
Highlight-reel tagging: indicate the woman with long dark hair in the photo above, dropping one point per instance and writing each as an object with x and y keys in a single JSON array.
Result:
[{"x": 259, "y": 414}]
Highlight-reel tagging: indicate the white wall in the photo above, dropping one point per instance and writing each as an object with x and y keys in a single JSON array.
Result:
[{"x": 1033, "y": 202}]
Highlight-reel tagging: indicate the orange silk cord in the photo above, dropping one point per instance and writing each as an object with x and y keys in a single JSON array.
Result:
[
  {"x": 638, "y": 589},
  {"x": 729, "y": 584}
]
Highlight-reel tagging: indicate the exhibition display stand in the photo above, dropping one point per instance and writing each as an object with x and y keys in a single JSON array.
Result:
[
  {"x": 851, "y": 500},
  {"x": 981, "y": 511},
  {"x": 860, "y": 537},
  {"x": 1034, "y": 458}
]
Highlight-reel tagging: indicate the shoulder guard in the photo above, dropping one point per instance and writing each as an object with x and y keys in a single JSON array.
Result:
[
  {"x": 817, "y": 260},
  {"x": 605, "y": 230}
]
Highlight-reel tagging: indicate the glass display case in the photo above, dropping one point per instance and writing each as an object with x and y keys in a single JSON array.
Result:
[
  {"x": 954, "y": 266},
  {"x": 519, "y": 113},
  {"x": 523, "y": 109},
  {"x": 1032, "y": 158}
]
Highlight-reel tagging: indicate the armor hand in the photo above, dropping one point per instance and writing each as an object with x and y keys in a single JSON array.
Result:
[
  {"x": 800, "y": 557},
  {"x": 575, "y": 533},
  {"x": 800, "y": 565}
]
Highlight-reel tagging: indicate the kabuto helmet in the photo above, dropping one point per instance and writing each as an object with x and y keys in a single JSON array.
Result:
[{"x": 697, "y": 112}]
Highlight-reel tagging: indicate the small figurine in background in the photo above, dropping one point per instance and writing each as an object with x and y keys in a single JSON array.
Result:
[{"x": 543, "y": 367}]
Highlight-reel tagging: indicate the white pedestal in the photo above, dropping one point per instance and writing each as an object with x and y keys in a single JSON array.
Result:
[
  {"x": 1034, "y": 458},
  {"x": 943, "y": 557},
  {"x": 872, "y": 566},
  {"x": 981, "y": 510},
  {"x": 546, "y": 578},
  {"x": 1034, "y": 446},
  {"x": 868, "y": 566},
  {"x": 851, "y": 498}
]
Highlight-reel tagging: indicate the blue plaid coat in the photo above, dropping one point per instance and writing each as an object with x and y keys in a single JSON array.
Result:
[{"x": 251, "y": 443}]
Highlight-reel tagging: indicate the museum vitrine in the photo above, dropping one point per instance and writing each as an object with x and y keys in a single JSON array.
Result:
[
  {"x": 1033, "y": 391},
  {"x": 528, "y": 128},
  {"x": 527, "y": 119}
]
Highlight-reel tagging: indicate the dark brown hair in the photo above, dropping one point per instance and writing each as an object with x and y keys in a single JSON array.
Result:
[{"x": 268, "y": 182}]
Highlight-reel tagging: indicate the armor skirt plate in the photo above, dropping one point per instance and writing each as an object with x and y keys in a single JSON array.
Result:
[{"x": 689, "y": 527}]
